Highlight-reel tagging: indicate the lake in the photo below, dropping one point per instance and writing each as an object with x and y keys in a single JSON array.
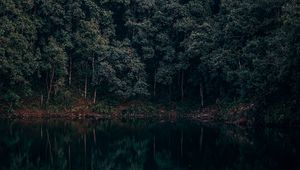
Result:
[{"x": 149, "y": 145}]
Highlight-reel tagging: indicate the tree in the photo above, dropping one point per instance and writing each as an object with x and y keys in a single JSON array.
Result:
[
  {"x": 54, "y": 66},
  {"x": 18, "y": 59}
]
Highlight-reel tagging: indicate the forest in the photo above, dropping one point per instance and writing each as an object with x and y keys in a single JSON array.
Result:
[{"x": 208, "y": 52}]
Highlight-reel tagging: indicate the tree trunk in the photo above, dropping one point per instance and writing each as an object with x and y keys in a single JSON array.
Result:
[
  {"x": 86, "y": 80},
  {"x": 95, "y": 96},
  {"x": 42, "y": 99},
  {"x": 182, "y": 83},
  {"x": 85, "y": 87},
  {"x": 201, "y": 94},
  {"x": 50, "y": 84},
  {"x": 154, "y": 85},
  {"x": 47, "y": 83},
  {"x": 93, "y": 79},
  {"x": 170, "y": 93},
  {"x": 93, "y": 69},
  {"x": 70, "y": 71}
]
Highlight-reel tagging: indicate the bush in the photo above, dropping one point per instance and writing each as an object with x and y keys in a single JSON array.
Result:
[
  {"x": 103, "y": 107},
  {"x": 64, "y": 99},
  {"x": 11, "y": 100},
  {"x": 141, "y": 108}
]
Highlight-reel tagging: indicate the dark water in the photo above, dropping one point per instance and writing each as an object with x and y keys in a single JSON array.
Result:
[{"x": 114, "y": 145}]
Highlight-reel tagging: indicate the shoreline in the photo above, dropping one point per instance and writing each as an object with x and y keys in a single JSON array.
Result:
[
  {"x": 240, "y": 114},
  {"x": 158, "y": 119}
]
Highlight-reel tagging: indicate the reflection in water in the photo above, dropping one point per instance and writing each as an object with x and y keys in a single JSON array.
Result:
[{"x": 142, "y": 145}]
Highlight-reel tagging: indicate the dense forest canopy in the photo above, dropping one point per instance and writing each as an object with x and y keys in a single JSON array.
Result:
[{"x": 205, "y": 50}]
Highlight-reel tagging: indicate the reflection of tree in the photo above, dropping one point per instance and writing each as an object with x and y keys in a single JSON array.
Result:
[
  {"x": 111, "y": 146},
  {"x": 164, "y": 161},
  {"x": 125, "y": 154},
  {"x": 28, "y": 149}
]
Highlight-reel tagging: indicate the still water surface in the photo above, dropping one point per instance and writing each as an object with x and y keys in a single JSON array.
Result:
[{"x": 135, "y": 145}]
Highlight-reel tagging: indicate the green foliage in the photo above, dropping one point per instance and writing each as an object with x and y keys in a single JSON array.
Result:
[
  {"x": 210, "y": 50},
  {"x": 186, "y": 106},
  {"x": 146, "y": 108},
  {"x": 103, "y": 107},
  {"x": 12, "y": 100},
  {"x": 65, "y": 99}
]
